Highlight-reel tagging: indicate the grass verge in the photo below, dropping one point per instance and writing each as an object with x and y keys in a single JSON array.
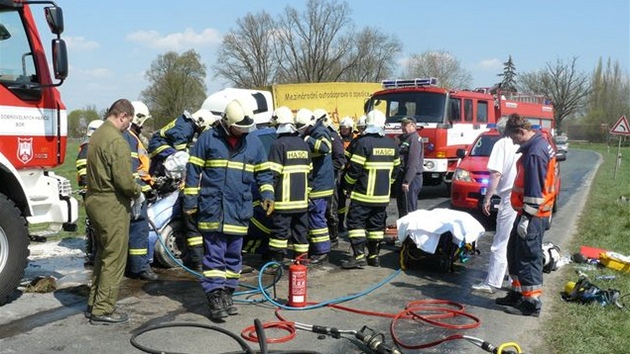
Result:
[{"x": 604, "y": 223}]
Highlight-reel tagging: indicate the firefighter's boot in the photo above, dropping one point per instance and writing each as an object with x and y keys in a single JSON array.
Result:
[
  {"x": 374, "y": 247},
  {"x": 358, "y": 260},
  {"x": 228, "y": 301},
  {"x": 217, "y": 307},
  {"x": 194, "y": 258}
]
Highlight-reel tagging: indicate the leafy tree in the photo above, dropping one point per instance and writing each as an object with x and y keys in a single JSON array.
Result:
[
  {"x": 610, "y": 95},
  {"x": 79, "y": 119},
  {"x": 563, "y": 83},
  {"x": 176, "y": 83},
  {"x": 508, "y": 83},
  {"x": 441, "y": 65}
]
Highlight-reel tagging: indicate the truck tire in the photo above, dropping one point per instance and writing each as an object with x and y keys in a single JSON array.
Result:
[
  {"x": 14, "y": 250},
  {"x": 172, "y": 235}
]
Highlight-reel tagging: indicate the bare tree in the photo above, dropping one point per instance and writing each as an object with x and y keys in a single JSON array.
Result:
[
  {"x": 176, "y": 84},
  {"x": 441, "y": 65},
  {"x": 319, "y": 44},
  {"x": 373, "y": 56},
  {"x": 311, "y": 43},
  {"x": 246, "y": 57},
  {"x": 563, "y": 83},
  {"x": 79, "y": 119}
]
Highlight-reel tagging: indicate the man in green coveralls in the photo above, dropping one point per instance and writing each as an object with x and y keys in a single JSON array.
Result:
[{"x": 111, "y": 189}]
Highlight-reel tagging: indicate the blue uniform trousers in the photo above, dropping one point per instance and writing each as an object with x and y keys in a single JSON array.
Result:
[
  {"x": 257, "y": 239},
  {"x": 525, "y": 257},
  {"x": 138, "y": 260},
  {"x": 408, "y": 202},
  {"x": 318, "y": 236},
  {"x": 221, "y": 261},
  {"x": 291, "y": 227}
]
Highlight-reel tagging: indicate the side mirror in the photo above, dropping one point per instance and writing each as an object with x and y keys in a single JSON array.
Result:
[
  {"x": 54, "y": 17},
  {"x": 560, "y": 156},
  {"x": 60, "y": 59},
  {"x": 461, "y": 153}
]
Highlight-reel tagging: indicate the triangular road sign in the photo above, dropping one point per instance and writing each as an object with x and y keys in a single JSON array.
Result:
[{"x": 621, "y": 127}]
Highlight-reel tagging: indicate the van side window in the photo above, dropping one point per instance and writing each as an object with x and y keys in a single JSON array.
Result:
[{"x": 468, "y": 110}]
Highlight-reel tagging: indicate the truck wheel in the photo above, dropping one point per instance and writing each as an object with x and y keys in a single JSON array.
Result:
[
  {"x": 173, "y": 237},
  {"x": 14, "y": 250}
]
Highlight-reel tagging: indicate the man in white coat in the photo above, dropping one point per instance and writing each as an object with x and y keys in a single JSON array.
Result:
[{"x": 502, "y": 167}]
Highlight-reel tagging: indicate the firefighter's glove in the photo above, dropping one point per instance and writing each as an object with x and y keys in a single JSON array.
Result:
[
  {"x": 268, "y": 206},
  {"x": 136, "y": 206},
  {"x": 523, "y": 224}
]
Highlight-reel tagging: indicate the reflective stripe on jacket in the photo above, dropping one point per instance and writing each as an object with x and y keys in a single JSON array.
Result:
[
  {"x": 320, "y": 144},
  {"x": 373, "y": 167},
  {"x": 177, "y": 135},
  {"x": 290, "y": 162},
  {"x": 534, "y": 186},
  {"x": 219, "y": 178}
]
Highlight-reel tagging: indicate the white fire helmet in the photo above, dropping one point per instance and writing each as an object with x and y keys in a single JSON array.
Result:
[
  {"x": 238, "y": 116},
  {"x": 92, "y": 126},
  {"x": 320, "y": 113},
  {"x": 361, "y": 122},
  {"x": 346, "y": 122},
  {"x": 375, "y": 122},
  {"x": 551, "y": 256},
  {"x": 283, "y": 115},
  {"x": 203, "y": 118},
  {"x": 141, "y": 113},
  {"x": 304, "y": 118}
]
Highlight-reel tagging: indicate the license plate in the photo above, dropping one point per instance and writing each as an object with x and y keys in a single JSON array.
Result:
[{"x": 484, "y": 190}]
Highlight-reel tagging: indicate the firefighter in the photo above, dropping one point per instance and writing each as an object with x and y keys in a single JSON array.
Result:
[
  {"x": 532, "y": 197},
  {"x": 138, "y": 265},
  {"x": 338, "y": 161},
  {"x": 81, "y": 164},
  {"x": 110, "y": 189},
  {"x": 409, "y": 181},
  {"x": 257, "y": 239},
  {"x": 223, "y": 163},
  {"x": 345, "y": 132},
  {"x": 318, "y": 139},
  {"x": 374, "y": 165},
  {"x": 360, "y": 126},
  {"x": 290, "y": 162},
  {"x": 176, "y": 136}
]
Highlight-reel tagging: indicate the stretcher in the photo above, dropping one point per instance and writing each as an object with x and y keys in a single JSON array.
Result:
[{"x": 437, "y": 238}]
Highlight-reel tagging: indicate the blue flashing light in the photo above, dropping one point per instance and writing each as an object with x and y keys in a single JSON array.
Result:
[
  {"x": 485, "y": 181},
  {"x": 418, "y": 82},
  {"x": 430, "y": 147},
  {"x": 536, "y": 126},
  {"x": 491, "y": 126}
]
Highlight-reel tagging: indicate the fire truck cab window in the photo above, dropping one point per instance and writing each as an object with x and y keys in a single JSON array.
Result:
[
  {"x": 16, "y": 61},
  {"x": 468, "y": 110},
  {"x": 482, "y": 112},
  {"x": 454, "y": 110}
]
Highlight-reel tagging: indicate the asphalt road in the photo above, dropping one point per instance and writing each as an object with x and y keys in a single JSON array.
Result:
[{"x": 54, "y": 322}]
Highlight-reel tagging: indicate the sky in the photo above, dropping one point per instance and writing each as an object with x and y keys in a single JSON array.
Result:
[{"x": 111, "y": 44}]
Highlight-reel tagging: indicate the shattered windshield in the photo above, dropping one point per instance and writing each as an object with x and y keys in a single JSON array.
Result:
[{"x": 425, "y": 107}]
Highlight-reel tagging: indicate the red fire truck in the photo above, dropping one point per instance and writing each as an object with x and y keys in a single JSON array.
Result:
[
  {"x": 450, "y": 119},
  {"x": 32, "y": 135}
]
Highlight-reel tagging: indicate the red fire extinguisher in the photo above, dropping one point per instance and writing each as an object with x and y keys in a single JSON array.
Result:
[{"x": 297, "y": 283}]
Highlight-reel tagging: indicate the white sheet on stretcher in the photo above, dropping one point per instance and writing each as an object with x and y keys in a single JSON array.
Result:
[{"x": 424, "y": 227}]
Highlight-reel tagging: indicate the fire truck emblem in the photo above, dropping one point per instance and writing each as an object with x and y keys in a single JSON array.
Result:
[{"x": 25, "y": 149}]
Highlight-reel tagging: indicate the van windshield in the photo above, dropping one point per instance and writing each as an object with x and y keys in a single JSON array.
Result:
[{"x": 483, "y": 145}]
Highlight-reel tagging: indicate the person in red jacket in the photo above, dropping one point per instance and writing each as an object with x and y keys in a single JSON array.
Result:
[{"x": 532, "y": 197}]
